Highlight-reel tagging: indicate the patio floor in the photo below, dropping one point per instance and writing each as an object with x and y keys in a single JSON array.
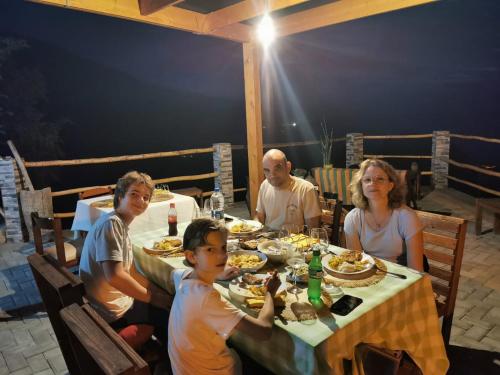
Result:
[{"x": 28, "y": 344}]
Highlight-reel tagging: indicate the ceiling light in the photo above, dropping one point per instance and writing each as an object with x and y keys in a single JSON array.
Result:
[{"x": 265, "y": 30}]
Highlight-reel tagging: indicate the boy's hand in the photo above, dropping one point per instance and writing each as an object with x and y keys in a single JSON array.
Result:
[
  {"x": 273, "y": 283},
  {"x": 229, "y": 273}
]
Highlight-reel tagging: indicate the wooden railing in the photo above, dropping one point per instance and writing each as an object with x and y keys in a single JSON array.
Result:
[{"x": 392, "y": 156}]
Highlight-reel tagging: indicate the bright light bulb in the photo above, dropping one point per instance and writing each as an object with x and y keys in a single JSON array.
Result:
[{"x": 265, "y": 30}]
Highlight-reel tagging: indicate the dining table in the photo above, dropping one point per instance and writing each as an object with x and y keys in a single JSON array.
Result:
[
  {"x": 156, "y": 215},
  {"x": 397, "y": 314}
]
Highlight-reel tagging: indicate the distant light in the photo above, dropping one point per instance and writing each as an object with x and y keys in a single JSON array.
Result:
[
  {"x": 265, "y": 30},
  {"x": 294, "y": 124}
]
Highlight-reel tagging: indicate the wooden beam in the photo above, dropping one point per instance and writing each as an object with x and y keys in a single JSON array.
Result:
[
  {"x": 338, "y": 12},
  {"x": 171, "y": 17},
  {"x": 251, "y": 68},
  {"x": 150, "y": 6},
  {"x": 243, "y": 11}
]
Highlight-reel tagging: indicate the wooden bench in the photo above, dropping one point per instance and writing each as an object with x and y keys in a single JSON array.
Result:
[
  {"x": 98, "y": 348},
  {"x": 194, "y": 192},
  {"x": 58, "y": 288},
  {"x": 492, "y": 204}
]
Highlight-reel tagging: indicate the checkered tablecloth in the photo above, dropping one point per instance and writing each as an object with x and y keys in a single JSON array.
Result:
[{"x": 395, "y": 314}]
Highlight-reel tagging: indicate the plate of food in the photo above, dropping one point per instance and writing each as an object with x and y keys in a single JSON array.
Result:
[
  {"x": 161, "y": 195},
  {"x": 165, "y": 246},
  {"x": 300, "y": 241},
  {"x": 103, "y": 203},
  {"x": 275, "y": 250},
  {"x": 240, "y": 227},
  {"x": 247, "y": 260},
  {"x": 349, "y": 264},
  {"x": 250, "y": 289}
]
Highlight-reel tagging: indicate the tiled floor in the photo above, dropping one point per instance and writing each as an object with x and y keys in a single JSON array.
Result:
[{"x": 28, "y": 344}]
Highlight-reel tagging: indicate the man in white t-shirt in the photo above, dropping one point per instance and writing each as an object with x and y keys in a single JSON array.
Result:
[{"x": 285, "y": 199}]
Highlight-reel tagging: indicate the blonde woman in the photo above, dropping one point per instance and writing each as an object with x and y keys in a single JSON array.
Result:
[{"x": 381, "y": 224}]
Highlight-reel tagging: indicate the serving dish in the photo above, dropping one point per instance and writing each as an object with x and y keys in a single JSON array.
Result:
[
  {"x": 242, "y": 292},
  {"x": 247, "y": 260},
  {"x": 275, "y": 250}
]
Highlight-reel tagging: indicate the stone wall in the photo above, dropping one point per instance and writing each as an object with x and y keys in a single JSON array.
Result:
[
  {"x": 223, "y": 164},
  {"x": 10, "y": 185},
  {"x": 353, "y": 149},
  {"x": 440, "y": 153}
]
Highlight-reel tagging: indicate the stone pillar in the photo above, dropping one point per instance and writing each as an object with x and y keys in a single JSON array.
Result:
[
  {"x": 10, "y": 185},
  {"x": 223, "y": 164},
  {"x": 353, "y": 149},
  {"x": 440, "y": 153}
]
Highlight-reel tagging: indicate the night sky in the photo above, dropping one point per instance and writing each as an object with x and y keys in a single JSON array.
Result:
[{"x": 139, "y": 88}]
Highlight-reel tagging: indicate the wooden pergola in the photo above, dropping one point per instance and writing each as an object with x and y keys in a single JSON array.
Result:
[{"x": 237, "y": 20}]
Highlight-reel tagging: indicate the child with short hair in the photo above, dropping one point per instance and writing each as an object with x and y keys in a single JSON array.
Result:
[
  {"x": 121, "y": 295},
  {"x": 201, "y": 320}
]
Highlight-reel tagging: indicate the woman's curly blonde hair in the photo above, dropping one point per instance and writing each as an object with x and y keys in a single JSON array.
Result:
[{"x": 396, "y": 195}]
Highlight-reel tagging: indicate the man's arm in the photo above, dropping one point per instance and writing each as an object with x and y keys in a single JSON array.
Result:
[
  {"x": 313, "y": 222},
  {"x": 120, "y": 279}
]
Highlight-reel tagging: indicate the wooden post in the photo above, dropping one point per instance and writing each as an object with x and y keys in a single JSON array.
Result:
[{"x": 251, "y": 68}]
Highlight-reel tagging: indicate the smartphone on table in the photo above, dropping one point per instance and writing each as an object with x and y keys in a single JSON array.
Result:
[{"x": 345, "y": 305}]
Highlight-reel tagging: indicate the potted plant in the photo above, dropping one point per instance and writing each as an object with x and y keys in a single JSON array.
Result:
[{"x": 326, "y": 145}]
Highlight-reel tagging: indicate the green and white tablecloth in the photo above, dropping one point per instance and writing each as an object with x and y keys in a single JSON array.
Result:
[{"x": 395, "y": 314}]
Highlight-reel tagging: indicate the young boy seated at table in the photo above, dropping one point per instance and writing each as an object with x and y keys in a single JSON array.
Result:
[
  {"x": 201, "y": 320},
  {"x": 121, "y": 295}
]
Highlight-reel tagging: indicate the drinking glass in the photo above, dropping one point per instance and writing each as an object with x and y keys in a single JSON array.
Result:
[
  {"x": 206, "y": 211},
  {"x": 297, "y": 262},
  {"x": 320, "y": 237}
]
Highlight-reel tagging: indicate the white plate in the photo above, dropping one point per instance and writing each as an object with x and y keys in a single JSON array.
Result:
[
  {"x": 369, "y": 265},
  {"x": 254, "y": 226},
  {"x": 275, "y": 250},
  {"x": 148, "y": 246},
  {"x": 239, "y": 294},
  {"x": 258, "y": 266}
]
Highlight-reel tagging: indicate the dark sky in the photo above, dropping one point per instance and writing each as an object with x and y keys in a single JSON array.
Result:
[{"x": 431, "y": 67}]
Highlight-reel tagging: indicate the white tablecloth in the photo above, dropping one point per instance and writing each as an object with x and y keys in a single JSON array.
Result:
[{"x": 154, "y": 217}]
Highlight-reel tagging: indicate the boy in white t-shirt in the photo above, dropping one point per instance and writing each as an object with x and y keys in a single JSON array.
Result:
[{"x": 201, "y": 320}]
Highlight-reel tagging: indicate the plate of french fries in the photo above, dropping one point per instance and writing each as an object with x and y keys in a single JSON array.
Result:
[
  {"x": 244, "y": 227},
  {"x": 164, "y": 246},
  {"x": 247, "y": 260}
]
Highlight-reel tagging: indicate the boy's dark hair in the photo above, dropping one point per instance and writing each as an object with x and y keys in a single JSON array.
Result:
[
  {"x": 197, "y": 232},
  {"x": 129, "y": 179}
]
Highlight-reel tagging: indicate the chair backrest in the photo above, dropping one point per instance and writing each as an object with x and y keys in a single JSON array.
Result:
[
  {"x": 98, "y": 348},
  {"x": 95, "y": 192},
  {"x": 58, "y": 288},
  {"x": 55, "y": 225},
  {"x": 331, "y": 217},
  {"x": 444, "y": 240}
]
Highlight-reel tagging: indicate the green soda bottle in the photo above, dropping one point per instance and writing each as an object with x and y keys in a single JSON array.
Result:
[{"x": 315, "y": 277}]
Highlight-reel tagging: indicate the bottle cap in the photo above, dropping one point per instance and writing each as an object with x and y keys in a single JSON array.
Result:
[{"x": 172, "y": 205}]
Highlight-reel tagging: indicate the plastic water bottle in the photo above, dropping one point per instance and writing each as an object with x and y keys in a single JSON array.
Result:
[
  {"x": 217, "y": 205},
  {"x": 315, "y": 277},
  {"x": 172, "y": 220}
]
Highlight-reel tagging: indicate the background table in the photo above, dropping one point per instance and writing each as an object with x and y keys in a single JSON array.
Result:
[
  {"x": 395, "y": 313},
  {"x": 153, "y": 218}
]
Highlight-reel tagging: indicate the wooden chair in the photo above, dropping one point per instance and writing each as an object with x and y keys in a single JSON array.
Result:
[
  {"x": 95, "y": 192},
  {"x": 58, "y": 288},
  {"x": 98, "y": 348},
  {"x": 444, "y": 240},
  {"x": 66, "y": 253},
  {"x": 331, "y": 218}
]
